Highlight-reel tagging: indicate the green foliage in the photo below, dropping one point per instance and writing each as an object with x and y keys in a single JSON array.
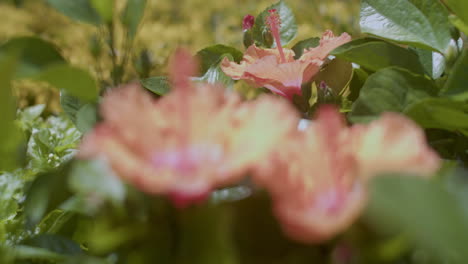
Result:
[
  {"x": 132, "y": 15},
  {"x": 457, "y": 84},
  {"x": 288, "y": 30},
  {"x": 460, "y": 8},
  {"x": 422, "y": 23},
  {"x": 299, "y": 47},
  {"x": 215, "y": 74},
  {"x": 211, "y": 56},
  {"x": 80, "y": 10},
  {"x": 374, "y": 54},
  {"x": 427, "y": 212},
  {"x": 390, "y": 89},
  {"x": 158, "y": 85}
]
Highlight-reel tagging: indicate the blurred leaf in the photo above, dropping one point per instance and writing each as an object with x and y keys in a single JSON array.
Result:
[
  {"x": 158, "y": 85},
  {"x": 105, "y": 9},
  {"x": 211, "y": 55},
  {"x": 424, "y": 210},
  {"x": 45, "y": 194},
  {"x": 79, "y": 10},
  {"x": 35, "y": 55},
  {"x": 337, "y": 74},
  {"x": 216, "y": 75},
  {"x": 288, "y": 30},
  {"x": 206, "y": 235},
  {"x": 433, "y": 62},
  {"x": 11, "y": 193},
  {"x": 375, "y": 54},
  {"x": 304, "y": 44},
  {"x": 9, "y": 134},
  {"x": 456, "y": 86},
  {"x": 357, "y": 82},
  {"x": 96, "y": 179},
  {"x": 76, "y": 81},
  {"x": 457, "y": 22},
  {"x": 132, "y": 15},
  {"x": 422, "y": 23},
  {"x": 440, "y": 113},
  {"x": 70, "y": 104},
  {"x": 53, "y": 222},
  {"x": 54, "y": 243},
  {"x": 459, "y": 7},
  {"x": 27, "y": 252},
  {"x": 86, "y": 118},
  {"x": 390, "y": 89}
]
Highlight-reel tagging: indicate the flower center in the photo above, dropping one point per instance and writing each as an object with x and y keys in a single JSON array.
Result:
[{"x": 274, "y": 23}]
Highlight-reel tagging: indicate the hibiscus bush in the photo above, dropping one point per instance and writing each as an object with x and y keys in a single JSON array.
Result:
[{"x": 337, "y": 148}]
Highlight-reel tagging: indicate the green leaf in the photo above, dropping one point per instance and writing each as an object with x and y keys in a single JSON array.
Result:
[
  {"x": 11, "y": 193},
  {"x": 158, "y": 85},
  {"x": 45, "y": 194},
  {"x": 337, "y": 74},
  {"x": 456, "y": 86},
  {"x": 433, "y": 62},
  {"x": 390, "y": 89},
  {"x": 35, "y": 55},
  {"x": 424, "y": 210},
  {"x": 459, "y": 7},
  {"x": 76, "y": 81},
  {"x": 79, "y": 10},
  {"x": 216, "y": 75},
  {"x": 96, "y": 179},
  {"x": 86, "y": 118},
  {"x": 53, "y": 222},
  {"x": 57, "y": 244},
  {"x": 288, "y": 30},
  {"x": 375, "y": 54},
  {"x": 211, "y": 55},
  {"x": 440, "y": 113},
  {"x": 304, "y": 44},
  {"x": 132, "y": 15},
  {"x": 422, "y": 23},
  {"x": 9, "y": 133},
  {"x": 70, "y": 104},
  {"x": 460, "y": 24},
  {"x": 27, "y": 252},
  {"x": 105, "y": 9}
]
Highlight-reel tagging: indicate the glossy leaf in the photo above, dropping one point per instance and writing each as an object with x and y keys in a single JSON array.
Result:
[
  {"x": 211, "y": 55},
  {"x": 390, "y": 89},
  {"x": 288, "y": 30},
  {"x": 76, "y": 81},
  {"x": 440, "y": 113},
  {"x": 422, "y": 23},
  {"x": 79, "y": 10},
  {"x": 216, "y": 75},
  {"x": 374, "y": 55},
  {"x": 132, "y": 15},
  {"x": 457, "y": 83},
  {"x": 158, "y": 85},
  {"x": 432, "y": 62},
  {"x": 35, "y": 55}
]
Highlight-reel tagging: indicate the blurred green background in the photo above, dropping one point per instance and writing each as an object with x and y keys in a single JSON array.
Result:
[{"x": 167, "y": 24}]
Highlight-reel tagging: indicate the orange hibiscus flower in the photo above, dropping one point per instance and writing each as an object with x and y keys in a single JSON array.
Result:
[
  {"x": 318, "y": 182},
  {"x": 276, "y": 69},
  {"x": 195, "y": 139}
]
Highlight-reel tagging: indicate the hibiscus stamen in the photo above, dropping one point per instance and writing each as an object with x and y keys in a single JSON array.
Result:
[{"x": 274, "y": 23}]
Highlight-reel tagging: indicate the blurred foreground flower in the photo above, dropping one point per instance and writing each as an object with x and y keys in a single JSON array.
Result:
[
  {"x": 191, "y": 141},
  {"x": 276, "y": 69},
  {"x": 318, "y": 182}
]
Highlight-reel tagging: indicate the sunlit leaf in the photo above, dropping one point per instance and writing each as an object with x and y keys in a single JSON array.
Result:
[{"x": 422, "y": 23}]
